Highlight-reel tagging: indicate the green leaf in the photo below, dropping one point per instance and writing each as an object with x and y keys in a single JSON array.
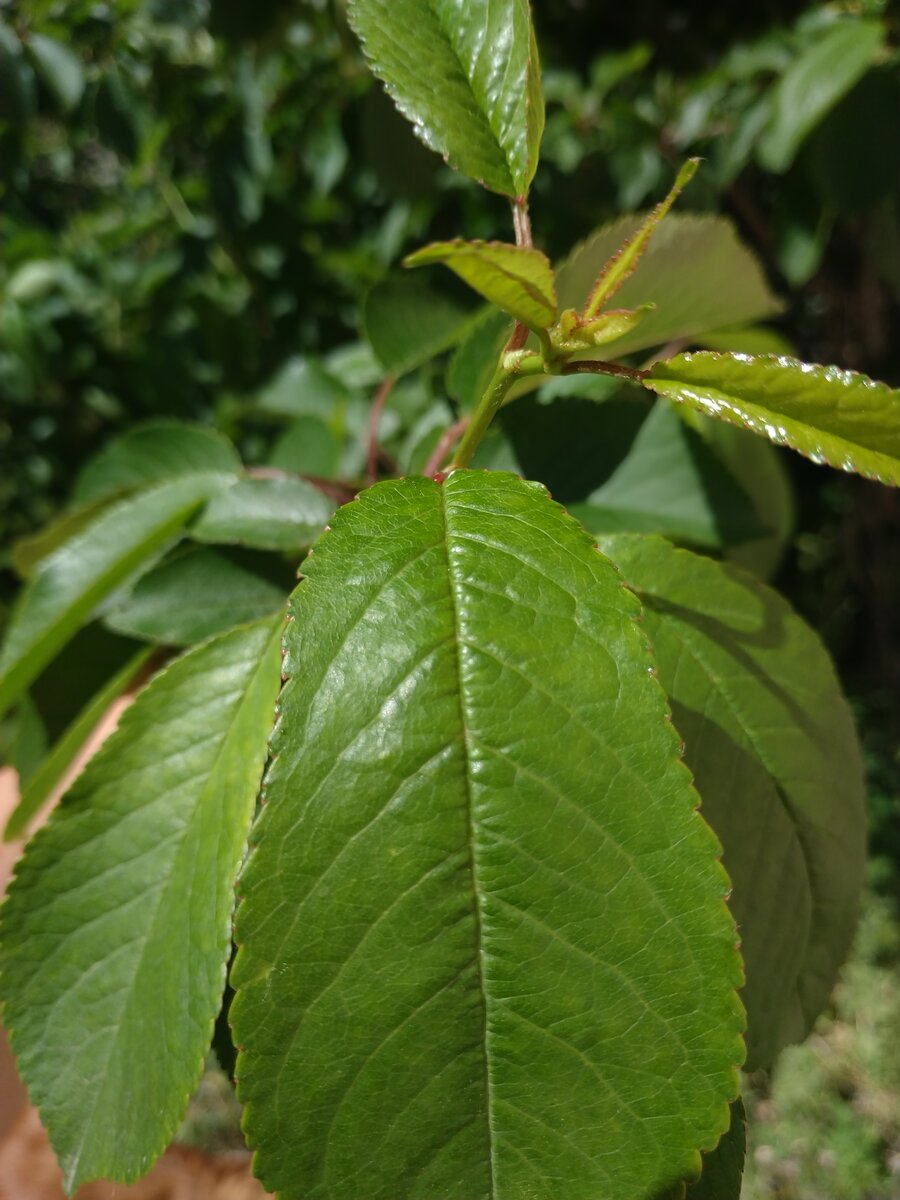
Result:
[
  {"x": 466, "y": 76},
  {"x": 723, "y": 1168},
  {"x": 622, "y": 264},
  {"x": 695, "y": 270},
  {"x": 268, "y": 514},
  {"x": 193, "y": 596},
  {"x": 58, "y": 69},
  {"x": 307, "y": 447},
  {"x": 516, "y": 279},
  {"x": 476, "y": 358},
  {"x": 303, "y": 387},
  {"x": 408, "y": 323},
  {"x": 497, "y": 920},
  {"x": 29, "y": 743},
  {"x": 116, "y": 931},
  {"x": 28, "y": 552},
  {"x": 71, "y": 582},
  {"x": 771, "y": 744},
  {"x": 813, "y": 84},
  {"x": 831, "y": 416},
  {"x": 61, "y": 757},
  {"x": 151, "y": 453},
  {"x": 671, "y": 482}
]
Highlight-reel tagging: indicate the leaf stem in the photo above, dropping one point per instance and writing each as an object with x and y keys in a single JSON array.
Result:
[
  {"x": 599, "y": 367},
  {"x": 488, "y": 406},
  {"x": 522, "y": 226},
  {"x": 447, "y": 439},
  {"x": 381, "y": 398}
]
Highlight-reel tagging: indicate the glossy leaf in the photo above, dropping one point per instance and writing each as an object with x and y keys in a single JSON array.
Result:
[
  {"x": 813, "y": 84},
  {"x": 497, "y": 921},
  {"x": 150, "y": 454},
  {"x": 468, "y": 78},
  {"x": 193, "y": 596},
  {"x": 771, "y": 744},
  {"x": 116, "y": 931},
  {"x": 671, "y": 482},
  {"x": 57, "y": 762},
  {"x": 623, "y": 262},
  {"x": 72, "y": 581},
  {"x": 268, "y": 514},
  {"x": 831, "y": 416},
  {"x": 408, "y": 323},
  {"x": 695, "y": 270},
  {"x": 516, "y": 279}
]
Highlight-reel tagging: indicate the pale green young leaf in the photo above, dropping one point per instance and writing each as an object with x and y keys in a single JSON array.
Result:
[
  {"x": 54, "y": 766},
  {"x": 408, "y": 323},
  {"x": 814, "y": 83},
  {"x": 117, "y": 927},
  {"x": 831, "y": 416},
  {"x": 770, "y": 741},
  {"x": 468, "y": 78},
  {"x": 515, "y": 278},
  {"x": 482, "y": 920},
  {"x": 71, "y": 582},
  {"x": 695, "y": 270},
  {"x": 267, "y": 514},
  {"x": 194, "y": 595},
  {"x": 622, "y": 264},
  {"x": 151, "y": 453}
]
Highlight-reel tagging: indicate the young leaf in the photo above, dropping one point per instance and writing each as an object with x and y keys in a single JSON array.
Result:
[
  {"x": 671, "y": 482},
  {"x": 831, "y": 416},
  {"x": 193, "y": 596},
  {"x": 151, "y": 453},
  {"x": 268, "y": 514},
  {"x": 468, "y": 78},
  {"x": 408, "y": 323},
  {"x": 515, "y": 278},
  {"x": 57, "y": 762},
  {"x": 71, "y": 582},
  {"x": 116, "y": 931},
  {"x": 482, "y": 922},
  {"x": 695, "y": 270},
  {"x": 624, "y": 261},
  {"x": 771, "y": 743},
  {"x": 814, "y": 83}
]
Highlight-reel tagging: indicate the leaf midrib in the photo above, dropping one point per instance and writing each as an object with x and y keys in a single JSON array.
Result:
[{"x": 458, "y": 642}]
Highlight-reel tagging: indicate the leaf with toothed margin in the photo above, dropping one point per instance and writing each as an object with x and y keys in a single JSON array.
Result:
[
  {"x": 831, "y": 416},
  {"x": 770, "y": 741},
  {"x": 117, "y": 927},
  {"x": 483, "y": 944},
  {"x": 468, "y": 78},
  {"x": 515, "y": 278}
]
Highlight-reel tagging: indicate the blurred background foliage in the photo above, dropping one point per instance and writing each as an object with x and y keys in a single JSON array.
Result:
[{"x": 196, "y": 197}]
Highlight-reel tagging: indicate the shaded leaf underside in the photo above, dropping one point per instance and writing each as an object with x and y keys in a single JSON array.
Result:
[{"x": 483, "y": 944}]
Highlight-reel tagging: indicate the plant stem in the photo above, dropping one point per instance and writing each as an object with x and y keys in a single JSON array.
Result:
[
  {"x": 599, "y": 367},
  {"x": 448, "y": 437},
  {"x": 522, "y": 226},
  {"x": 381, "y": 398},
  {"x": 485, "y": 412}
]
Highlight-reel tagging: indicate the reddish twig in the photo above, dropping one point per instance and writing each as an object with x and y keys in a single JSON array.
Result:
[
  {"x": 381, "y": 399},
  {"x": 598, "y": 367},
  {"x": 338, "y": 489},
  {"x": 448, "y": 438}
]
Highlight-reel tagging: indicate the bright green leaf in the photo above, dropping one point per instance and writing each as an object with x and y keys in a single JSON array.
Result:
[
  {"x": 116, "y": 931},
  {"x": 193, "y": 596},
  {"x": 151, "y": 453},
  {"x": 813, "y": 84},
  {"x": 622, "y": 264},
  {"x": 483, "y": 921},
  {"x": 771, "y": 744},
  {"x": 671, "y": 482},
  {"x": 71, "y": 582},
  {"x": 468, "y": 78},
  {"x": 516, "y": 279},
  {"x": 831, "y": 416},
  {"x": 61, "y": 757},
  {"x": 695, "y": 270},
  {"x": 268, "y": 514},
  {"x": 723, "y": 1168},
  {"x": 58, "y": 69},
  {"x": 408, "y": 323}
]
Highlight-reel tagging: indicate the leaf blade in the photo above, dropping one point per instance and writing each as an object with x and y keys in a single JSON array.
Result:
[
  {"x": 466, "y": 76},
  {"x": 68, "y": 982},
  {"x": 267, "y": 514},
  {"x": 415, "y": 857},
  {"x": 830, "y": 415}
]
